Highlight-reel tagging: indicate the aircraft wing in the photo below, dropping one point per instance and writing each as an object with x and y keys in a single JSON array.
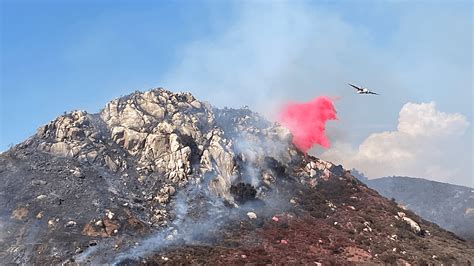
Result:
[
  {"x": 370, "y": 92},
  {"x": 355, "y": 87}
]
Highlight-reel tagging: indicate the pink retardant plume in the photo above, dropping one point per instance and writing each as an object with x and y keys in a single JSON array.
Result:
[{"x": 307, "y": 121}]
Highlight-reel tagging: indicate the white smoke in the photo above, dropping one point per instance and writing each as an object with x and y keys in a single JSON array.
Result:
[{"x": 272, "y": 52}]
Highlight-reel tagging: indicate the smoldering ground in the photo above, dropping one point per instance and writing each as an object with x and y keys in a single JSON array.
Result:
[{"x": 198, "y": 215}]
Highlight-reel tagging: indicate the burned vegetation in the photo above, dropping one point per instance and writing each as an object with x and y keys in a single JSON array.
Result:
[{"x": 160, "y": 177}]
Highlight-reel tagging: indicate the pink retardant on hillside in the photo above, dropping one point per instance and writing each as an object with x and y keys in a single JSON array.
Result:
[{"x": 307, "y": 121}]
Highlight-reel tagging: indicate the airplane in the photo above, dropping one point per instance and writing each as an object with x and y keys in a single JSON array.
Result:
[{"x": 362, "y": 90}]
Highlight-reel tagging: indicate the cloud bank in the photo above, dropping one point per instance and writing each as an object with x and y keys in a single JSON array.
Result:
[{"x": 425, "y": 144}]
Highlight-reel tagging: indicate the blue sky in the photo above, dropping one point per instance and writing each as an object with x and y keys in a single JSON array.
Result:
[{"x": 59, "y": 56}]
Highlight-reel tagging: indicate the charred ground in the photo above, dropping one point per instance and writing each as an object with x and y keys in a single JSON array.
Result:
[
  {"x": 158, "y": 177},
  {"x": 337, "y": 222}
]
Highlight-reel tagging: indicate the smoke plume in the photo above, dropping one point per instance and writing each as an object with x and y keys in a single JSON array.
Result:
[{"x": 307, "y": 121}]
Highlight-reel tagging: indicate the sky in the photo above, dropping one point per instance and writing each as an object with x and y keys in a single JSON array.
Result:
[{"x": 59, "y": 56}]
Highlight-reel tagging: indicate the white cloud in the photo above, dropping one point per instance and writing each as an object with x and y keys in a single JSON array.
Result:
[
  {"x": 427, "y": 143},
  {"x": 424, "y": 120}
]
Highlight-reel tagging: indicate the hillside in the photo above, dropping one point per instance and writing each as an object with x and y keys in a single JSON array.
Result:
[
  {"x": 450, "y": 206},
  {"x": 161, "y": 177}
]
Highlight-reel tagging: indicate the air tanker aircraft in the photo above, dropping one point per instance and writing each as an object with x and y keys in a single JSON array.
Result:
[{"x": 362, "y": 90}]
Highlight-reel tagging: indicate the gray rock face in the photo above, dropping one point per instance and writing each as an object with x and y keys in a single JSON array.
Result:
[
  {"x": 172, "y": 135},
  {"x": 88, "y": 188}
]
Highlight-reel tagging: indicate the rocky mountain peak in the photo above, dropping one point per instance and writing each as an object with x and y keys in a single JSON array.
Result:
[
  {"x": 174, "y": 135},
  {"x": 159, "y": 176}
]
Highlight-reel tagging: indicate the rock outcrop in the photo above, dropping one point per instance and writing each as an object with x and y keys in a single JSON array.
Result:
[
  {"x": 161, "y": 169},
  {"x": 173, "y": 135}
]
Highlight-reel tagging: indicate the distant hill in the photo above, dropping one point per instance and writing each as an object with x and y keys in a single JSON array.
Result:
[{"x": 449, "y": 206}]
